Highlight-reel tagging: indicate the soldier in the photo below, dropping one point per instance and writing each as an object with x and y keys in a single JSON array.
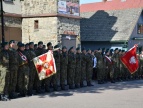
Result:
[
  {"x": 56, "y": 77},
  {"x": 4, "y": 72},
  {"x": 89, "y": 67},
  {"x": 71, "y": 67},
  {"x": 100, "y": 67},
  {"x": 63, "y": 67},
  {"x": 83, "y": 67},
  {"x": 23, "y": 71},
  {"x": 141, "y": 65},
  {"x": 48, "y": 81},
  {"x": 116, "y": 64},
  {"x": 31, "y": 55},
  {"x": 39, "y": 51},
  {"x": 78, "y": 68},
  {"x": 27, "y": 47},
  {"x": 35, "y": 47},
  {"x": 120, "y": 66},
  {"x": 13, "y": 65}
]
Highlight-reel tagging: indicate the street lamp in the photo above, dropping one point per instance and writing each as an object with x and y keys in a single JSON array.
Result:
[{"x": 2, "y": 21}]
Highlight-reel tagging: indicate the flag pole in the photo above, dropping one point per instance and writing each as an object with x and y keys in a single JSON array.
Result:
[{"x": 2, "y": 22}]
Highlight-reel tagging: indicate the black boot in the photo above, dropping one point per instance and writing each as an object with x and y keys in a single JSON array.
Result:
[
  {"x": 64, "y": 87},
  {"x": 72, "y": 86},
  {"x": 56, "y": 88},
  {"x": 30, "y": 93},
  {"x": 100, "y": 82},
  {"x": 4, "y": 98},
  {"x": 82, "y": 84},
  {"x": 89, "y": 84},
  {"x": 77, "y": 85},
  {"x": 13, "y": 95},
  {"x": 112, "y": 81}
]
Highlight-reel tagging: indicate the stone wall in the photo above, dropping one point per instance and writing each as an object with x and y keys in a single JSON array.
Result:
[
  {"x": 67, "y": 24},
  {"x": 47, "y": 31},
  {"x": 34, "y": 7}
]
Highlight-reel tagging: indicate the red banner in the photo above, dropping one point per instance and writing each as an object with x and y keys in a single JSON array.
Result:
[
  {"x": 45, "y": 65},
  {"x": 130, "y": 60}
]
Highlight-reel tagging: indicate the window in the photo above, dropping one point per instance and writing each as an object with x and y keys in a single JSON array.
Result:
[
  {"x": 140, "y": 29},
  {"x": 36, "y": 24}
]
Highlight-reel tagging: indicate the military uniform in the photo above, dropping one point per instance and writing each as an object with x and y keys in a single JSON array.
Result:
[
  {"x": 23, "y": 72},
  {"x": 30, "y": 56},
  {"x": 78, "y": 69},
  {"x": 4, "y": 74},
  {"x": 63, "y": 68},
  {"x": 141, "y": 66},
  {"x": 71, "y": 69}
]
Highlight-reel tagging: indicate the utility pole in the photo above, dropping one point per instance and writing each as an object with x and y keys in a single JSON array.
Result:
[{"x": 2, "y": 22}]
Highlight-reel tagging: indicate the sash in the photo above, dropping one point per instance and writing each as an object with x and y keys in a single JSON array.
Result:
[
  {"x": 23, "y": 57},
  {"x": 108, "y": 59}
]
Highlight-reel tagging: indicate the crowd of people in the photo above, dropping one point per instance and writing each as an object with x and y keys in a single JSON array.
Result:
[{"x": 76, "y": 68}]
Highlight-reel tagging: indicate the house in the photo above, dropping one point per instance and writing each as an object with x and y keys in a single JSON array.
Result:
[
  {"x": 56, "y": 21},
  {"x": 112, "y": 23}
]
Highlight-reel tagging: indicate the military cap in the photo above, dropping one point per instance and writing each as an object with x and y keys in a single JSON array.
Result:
[
  {"x": 116, "y": 49},
  {"x": 64, "y": 47},
  {"x": 27, "y": 44},
  {"x": 11, "y": 41},
  {"x": 56, "y": 46},
  {"x": 123, "y": 50},
  {"x": 83, "y": 49},
  {"x": 99, "y": 49},
  {"x": 103, "y": 48},
  {"x": 35, "y": 45},
  {"x": 30, "y": 43},
  {"x": 78, "y": 48},
  {"x": 120, "y": 50},
  {"x": 106, "y": 51},
  {"x": 71, "y": 48},
  {"x": 88, "y": 49},
  {"x": 49, "y": 44},
  {"x": 40, "y": 42},
  {"x": 21, "y": 45},
  {"x": 4, "y": 44}
]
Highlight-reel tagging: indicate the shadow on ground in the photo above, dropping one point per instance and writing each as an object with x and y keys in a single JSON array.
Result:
[{"x": 97, "y": 88}]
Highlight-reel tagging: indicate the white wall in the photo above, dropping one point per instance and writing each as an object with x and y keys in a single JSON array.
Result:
[{"x": 12, "y": 7}]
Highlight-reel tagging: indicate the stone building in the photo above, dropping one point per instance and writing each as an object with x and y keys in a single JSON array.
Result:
[
  {"x": 12, "y": 20},
  {"x": 112, "y": 23},
  {"x": 42, "y": 22}
]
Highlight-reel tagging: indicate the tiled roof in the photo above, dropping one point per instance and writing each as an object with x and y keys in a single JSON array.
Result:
[
  {"x": 110, "y": 25},
  {"x": 111, "y": 5}
]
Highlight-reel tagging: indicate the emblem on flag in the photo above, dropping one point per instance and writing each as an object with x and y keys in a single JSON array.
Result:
[
  {"x": 130, "y": 60},
  {"x": 45, "y": 65}
]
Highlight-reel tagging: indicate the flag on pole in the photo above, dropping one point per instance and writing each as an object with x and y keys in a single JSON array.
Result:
[
  {"x": 45, "y": 65},
  {"x": 130, "y": 60}
]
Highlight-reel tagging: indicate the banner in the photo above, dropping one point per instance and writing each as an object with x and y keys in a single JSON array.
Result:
[
  {"x": 68, "y": 8},
  {"x": 45, "y": 65},
  {"x": 130, "y": 60}
]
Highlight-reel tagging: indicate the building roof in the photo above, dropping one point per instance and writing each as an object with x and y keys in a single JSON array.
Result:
[
  {"x": 111, "y": 5},
  {"x": 112, "y": 25}
]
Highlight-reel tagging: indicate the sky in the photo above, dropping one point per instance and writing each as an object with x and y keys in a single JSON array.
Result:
[{"x": 89, "y": 1}]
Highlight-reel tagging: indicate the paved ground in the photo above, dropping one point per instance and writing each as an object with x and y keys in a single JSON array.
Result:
[{"x": 119, "y": 95}]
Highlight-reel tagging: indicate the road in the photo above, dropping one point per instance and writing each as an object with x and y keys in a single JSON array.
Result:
[{"x": 119, "y": 95}]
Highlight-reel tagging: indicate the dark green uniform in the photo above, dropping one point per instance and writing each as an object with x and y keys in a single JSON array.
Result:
[
  {"x": 78, "y": 70},
  {"x": 13, "y": 65},
  {"x": 71, "y": 69},
  {"x": 4, "y": 72},
  {"x": 63, "y": 67},
  {"x": 23, "y": 73}
]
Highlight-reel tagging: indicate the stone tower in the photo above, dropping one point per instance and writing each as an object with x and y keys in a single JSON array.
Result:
[{"x": 42, "y": 21}]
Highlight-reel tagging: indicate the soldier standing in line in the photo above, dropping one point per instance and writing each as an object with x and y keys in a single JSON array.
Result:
[
  {"x": 78, "y": 68},
  {"x": 63, "y": 67},
  {"x": 141, "y": 65},
  {"x": 71, "y": 67},
  {"x": 39, "y": 51},
  {"x": 100, "y": 67},
  {"x": 116, "y": 64},
  {"x": 120, "y": 66},
  {"x": 23, "y": 71},
  {"x": 48, "y": 81},
  {"x": 83, "y": 67},
  {"x": 13, "y": 65},
  {"x": 4, "y": 72},
  {"x": 31, "y": 55},
  {"x": 35, "y": 47},
  {"x": 89, "y": 67},
  {"x": 56, "y": 77},
  {"x": 27, "y": 47}
]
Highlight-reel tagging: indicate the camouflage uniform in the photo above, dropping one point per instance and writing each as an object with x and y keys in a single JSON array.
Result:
[
  {"x": 89, "y": 68},
  {"x": 56, "y": 77},
  {"x": 83, "y": 68},
  {"x": 31, "y": 54},
  {"x": 23, "y": 74},
  {"x": 4, "y": 72},
  {"x": 141, "y": 66},
  {"x": 100, "y": 68},
  {"x": 13, "y": 65},
  {"x": 63, "y": 66},
  {"x": 71, "y": 69},
  {"x": 78, "y": 70}
]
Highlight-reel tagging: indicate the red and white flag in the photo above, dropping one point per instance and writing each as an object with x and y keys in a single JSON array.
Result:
[
  {"x": 130, "y": 60},
  {"x": 45, "y": 65}
]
